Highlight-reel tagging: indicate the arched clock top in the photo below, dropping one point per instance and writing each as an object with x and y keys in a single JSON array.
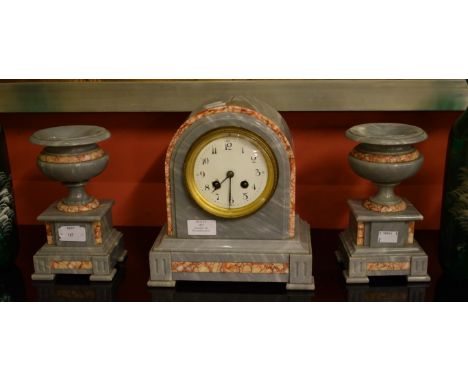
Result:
[{"x": 277, "y": 215}]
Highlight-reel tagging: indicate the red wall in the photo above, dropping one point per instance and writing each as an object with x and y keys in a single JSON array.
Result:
[{"x": 134, "y": 177}]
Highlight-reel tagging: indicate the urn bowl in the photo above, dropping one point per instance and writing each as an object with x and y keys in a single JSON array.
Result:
[
  {"x": 72, "y": 156},
  {"x": 385, "y": 156}
]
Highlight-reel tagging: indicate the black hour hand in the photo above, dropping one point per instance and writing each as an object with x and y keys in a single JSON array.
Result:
[{"x": 216, "y": 185}]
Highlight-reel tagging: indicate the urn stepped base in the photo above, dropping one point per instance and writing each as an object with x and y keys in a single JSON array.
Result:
[
  {"x": 358, "y": 271},
  {"x": 81, "y": 243},
  {"x": 287, "y": 261},
  {"x": 99, "y": 263},
  {"x": 377, "y": 244}
]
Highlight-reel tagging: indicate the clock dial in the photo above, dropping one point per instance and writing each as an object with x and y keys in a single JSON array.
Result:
[{"x": 230, "y": 172}]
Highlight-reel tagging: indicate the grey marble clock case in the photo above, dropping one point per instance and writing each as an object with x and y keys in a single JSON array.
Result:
[
  {"x": 265, "y": 228},
  {"x": 270, "y": 222}
]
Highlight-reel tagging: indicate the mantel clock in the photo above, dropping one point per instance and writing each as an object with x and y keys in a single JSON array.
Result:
[{"x": 230, "y": 196}]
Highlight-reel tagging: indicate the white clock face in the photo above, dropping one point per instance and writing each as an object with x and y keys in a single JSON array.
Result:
[{"x": 232, "y": 172}]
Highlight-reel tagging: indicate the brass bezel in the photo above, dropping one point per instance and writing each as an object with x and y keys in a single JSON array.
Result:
[{"x": 212, "y": 208}]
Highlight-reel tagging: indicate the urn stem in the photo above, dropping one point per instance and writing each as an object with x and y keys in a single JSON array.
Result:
[
  {"x": 77, "y": 194},
  {"x": 385, "y": 194}
]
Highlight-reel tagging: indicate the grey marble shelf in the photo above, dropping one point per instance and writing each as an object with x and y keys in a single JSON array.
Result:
[{"x": 184, "y": 95}]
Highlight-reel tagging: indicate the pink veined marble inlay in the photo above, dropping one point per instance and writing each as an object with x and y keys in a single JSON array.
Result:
[
  {"x": 228, "y": 267},
  {"x": 71, "y": 264},
  {"x": 233, "y": 109}
]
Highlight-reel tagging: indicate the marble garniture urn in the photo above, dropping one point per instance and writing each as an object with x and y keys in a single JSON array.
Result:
[
  {"x": 386, "y": 157},
  {"x": 72, "y": 156},
  {"x": 80, "y": 235},
  {"x": 379, "y": 240}
]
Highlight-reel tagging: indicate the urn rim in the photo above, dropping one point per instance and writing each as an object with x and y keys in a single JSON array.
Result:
[
  {"x": 69, "y": 135},
  {"x": 386, "y": 134}
]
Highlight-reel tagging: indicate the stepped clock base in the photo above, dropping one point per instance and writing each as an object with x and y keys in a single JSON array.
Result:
[
  {"x": 310, "y": 286},
  {"x": 286, "y": 261}
]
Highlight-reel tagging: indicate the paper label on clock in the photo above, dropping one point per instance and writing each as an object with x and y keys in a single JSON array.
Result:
[
  {"x": 201, "y": 227},
  {"x": 72, "y": 233},
  {"x": 388, "y": 237}
]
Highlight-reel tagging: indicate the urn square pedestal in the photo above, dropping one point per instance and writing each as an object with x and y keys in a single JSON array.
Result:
[
  {"x": 79, "y": 243},
  {"x": 381, "y": 244}
]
